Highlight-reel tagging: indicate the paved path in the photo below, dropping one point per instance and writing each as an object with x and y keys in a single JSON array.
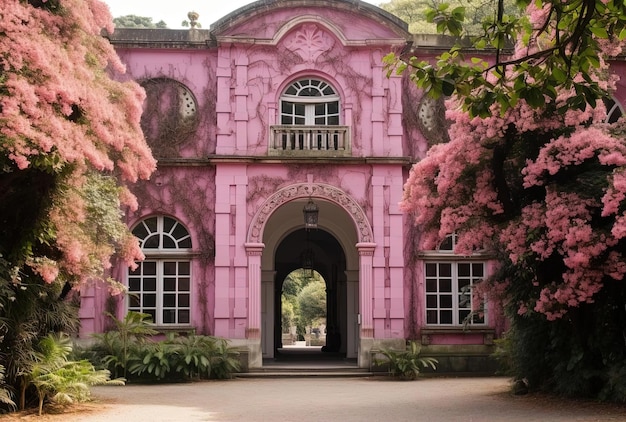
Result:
[{"x": 334, "y": 399}]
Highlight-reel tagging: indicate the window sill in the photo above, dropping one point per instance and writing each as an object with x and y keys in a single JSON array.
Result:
[
  {"x": 427, "y": 333},
  {"x": 180, "y": 329}
]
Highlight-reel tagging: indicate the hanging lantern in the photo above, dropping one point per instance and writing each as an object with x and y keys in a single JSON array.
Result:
[
  {"x": 311, "y": 214},
  {"x": 307, "y": 260}
]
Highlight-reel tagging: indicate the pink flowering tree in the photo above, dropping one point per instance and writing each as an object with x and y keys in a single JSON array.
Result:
[
  {"x": 534, "y": 175},
  {"x": 70, "y": 141}
]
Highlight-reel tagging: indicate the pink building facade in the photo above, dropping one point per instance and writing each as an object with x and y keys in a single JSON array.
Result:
[{"x": 277, "y": 104}]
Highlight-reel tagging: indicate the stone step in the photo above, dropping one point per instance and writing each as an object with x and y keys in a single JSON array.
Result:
[{"x": 291, "y": 371}]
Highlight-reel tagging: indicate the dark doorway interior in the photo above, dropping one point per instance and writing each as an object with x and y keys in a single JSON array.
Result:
[{"x": 328, "y": 259}]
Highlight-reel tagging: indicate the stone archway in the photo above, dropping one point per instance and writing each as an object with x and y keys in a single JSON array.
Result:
[
  {"x": 361, "y": 245},
  {"x": 310, "y": 190}
]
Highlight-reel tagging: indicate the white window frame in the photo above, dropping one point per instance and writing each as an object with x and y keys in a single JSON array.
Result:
[
  {"x": 173, "y": 247},
  {"x": 297, "y": 96},
  {"x": 457, "y": 302}
]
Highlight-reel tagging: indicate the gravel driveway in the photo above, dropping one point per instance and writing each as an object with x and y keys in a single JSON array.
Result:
[{"x": 330, "y": 399}]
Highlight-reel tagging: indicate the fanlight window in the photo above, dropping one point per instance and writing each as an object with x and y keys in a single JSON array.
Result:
[
  {"x": 161, "y": 284},
  {"x": 309, "y": 102},
  {"x": 613, "y": 110}
]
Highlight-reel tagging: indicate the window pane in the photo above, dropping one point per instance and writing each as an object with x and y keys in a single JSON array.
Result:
[
  {"x": 464, "y": 284},
  {"x": 445, "y": 301},
  {"x": 134, "y": 301},
  {"x": 299, "y": 121},
  {"x": 169, "y": 268},
  {"x": 151, "y": 224},
  {"x": 464, "y": 270},
  {"x": 478, "y": 270},
  {"x": 445, "y": 285},
  {"x": 320, "y": 109},
  {"x": 169, "y": 284},
  {"x": 431, "y": 285},
  {"x": 134, "y": 284},
  {"x": 333, "y": 108},
  {"x": 149, "y": 284},
  {"x": 446, "y": 245},
  {"x": 169, "y": 316},
  {"x": 431, "y": 301},
  {"x": 445, "y": 270},
  {"x": 179, "y": 232},
  {"x": 185, "y": 243},
  {"x": 183, "y": 285},
  {"x": 333, "y": 120},
  {"x": 431, "y": 317},
  {"x": 168, "y": 242},
  {"x": 299, "y": 109},
  {"x": 431, "y": 270},
  {"x": 462, "y": 315},
  {"x": 149, "y": 300},
  {"x": 183, "y": 316},
  {"x": 151, "y": 242},
  {"x": 149, "y": 267},
  {"x": 183, "y": 300},
  {"x": 320, "y": 120},
  {"x": 184, "y": 268},
  {"x": 152, "y": 314},
  {"x": 169, "y": 300},
  {"x": 445, "y": 317},
  {"x": 140, "y": 231},
  {"x": 168, "y": 223}
]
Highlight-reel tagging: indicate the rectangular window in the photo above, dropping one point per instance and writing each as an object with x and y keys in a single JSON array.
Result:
[
  {"x": 162, "y": 289},
  {"x": 449, "y": 292}
]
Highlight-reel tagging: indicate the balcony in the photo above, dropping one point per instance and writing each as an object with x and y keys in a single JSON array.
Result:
[{"x": 311, "y": 141}]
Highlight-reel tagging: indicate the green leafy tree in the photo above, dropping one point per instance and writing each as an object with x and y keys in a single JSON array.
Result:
[
  {"x": 134, "y": 21},
  {"x": 312, "y": 301},
  {"x": 415, "y": 12},
  {"x": 558, "y": 44}
]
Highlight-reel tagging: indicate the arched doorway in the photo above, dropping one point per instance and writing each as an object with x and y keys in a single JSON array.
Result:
[
  {"x": 342, "y": 218},
  {"x": 314, "y": 250}
]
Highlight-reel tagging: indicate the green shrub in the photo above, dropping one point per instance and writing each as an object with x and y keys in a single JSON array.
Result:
[
  {"x": 130, "y": 349},
  {"x": 406, "y": 364},
  {"x": 61, "y": 380}
]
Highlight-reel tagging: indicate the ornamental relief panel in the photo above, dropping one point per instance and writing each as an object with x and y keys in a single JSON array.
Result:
[
  {"x": 306, "y": 190},
  {"x": 309, "y": 41}
]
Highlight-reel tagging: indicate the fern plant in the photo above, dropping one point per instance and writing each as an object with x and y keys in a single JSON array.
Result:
[
  {"x": 59, "y": 379},
  {"x": 406, "y": 364},
  {"x": 5, "y": 391}
]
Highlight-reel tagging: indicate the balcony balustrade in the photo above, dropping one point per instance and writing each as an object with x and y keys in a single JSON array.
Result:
[{"x": 288, "y": 140}]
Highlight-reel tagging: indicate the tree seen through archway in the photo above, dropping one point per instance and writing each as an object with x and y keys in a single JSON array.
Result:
[{"x": 303, "y": 308}]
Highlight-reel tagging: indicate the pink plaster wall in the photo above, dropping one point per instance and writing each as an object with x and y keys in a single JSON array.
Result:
[{"x": 237, "y": 86}]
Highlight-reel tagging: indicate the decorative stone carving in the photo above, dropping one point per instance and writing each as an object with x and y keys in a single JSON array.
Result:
[
  {"x": 310, "y": 190},
  {"x": 309, "y": 41}
]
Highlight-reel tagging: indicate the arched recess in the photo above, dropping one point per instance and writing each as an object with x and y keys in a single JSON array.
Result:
[{"x": 347, "y": 223}]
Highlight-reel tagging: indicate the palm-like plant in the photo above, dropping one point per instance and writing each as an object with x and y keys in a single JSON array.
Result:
[
  {"x": 406, "y": 364},
  {"x": 5, "y": 391},
  {"x": 130, "y": 332},
  {"x": 29, "y": 310},
  {"x": 59, "y": 379}
]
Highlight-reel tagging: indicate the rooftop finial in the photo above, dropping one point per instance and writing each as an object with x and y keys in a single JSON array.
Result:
[{"x": 193, "y": 18}]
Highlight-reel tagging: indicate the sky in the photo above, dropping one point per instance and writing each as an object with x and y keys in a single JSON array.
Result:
[{"x": 173, "y": 12}]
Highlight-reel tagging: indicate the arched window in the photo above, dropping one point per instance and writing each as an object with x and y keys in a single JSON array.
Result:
[
  {"x": 161, "y": 284},
  {"x": 613, "y": 110},
  {"x": 449, "y": 280},
  {"x": 309, "y": 102}
]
